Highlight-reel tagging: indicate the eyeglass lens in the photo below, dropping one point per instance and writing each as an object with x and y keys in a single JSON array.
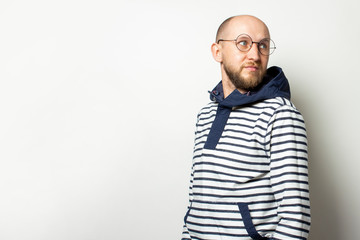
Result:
[{"x": 244, "y": 42}]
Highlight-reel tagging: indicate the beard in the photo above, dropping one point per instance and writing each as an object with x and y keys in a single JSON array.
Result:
[{"x": 246, "y": 83}]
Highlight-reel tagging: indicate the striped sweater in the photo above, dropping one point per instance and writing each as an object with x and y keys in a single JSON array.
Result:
[{"x": 249, "y": 177}]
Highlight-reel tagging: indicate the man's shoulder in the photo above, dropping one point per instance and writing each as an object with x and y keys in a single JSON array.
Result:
[
  {"x": 285, "y": 108},
  {"x": 270, "y": 106},
  {"x": 273, "y": 106},
  {"x": 209, "y": 108},
  {"x": 278, "y": 103}
]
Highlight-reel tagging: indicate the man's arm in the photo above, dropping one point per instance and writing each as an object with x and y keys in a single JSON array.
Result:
[
  {"x": 185, "y": 233},
  {"x": 289, "y": 173}
]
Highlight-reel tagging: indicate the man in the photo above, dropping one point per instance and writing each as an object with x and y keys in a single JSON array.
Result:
[{"x": 249, "y": 176}]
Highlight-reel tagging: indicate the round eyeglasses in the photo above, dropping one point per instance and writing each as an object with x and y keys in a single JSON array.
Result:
[{"x": 244, "y": 43}]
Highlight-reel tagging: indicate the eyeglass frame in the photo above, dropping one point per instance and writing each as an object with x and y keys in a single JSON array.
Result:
[{"x": 252, "y": 42}]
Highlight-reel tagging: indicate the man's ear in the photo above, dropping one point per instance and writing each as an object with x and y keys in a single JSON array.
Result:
[{"x": 216, "y": 52}]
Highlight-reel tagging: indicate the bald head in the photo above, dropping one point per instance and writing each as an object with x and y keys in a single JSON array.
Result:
[
  {"x": 235, "y": 61},
  {"x": 230, "y": 25}
]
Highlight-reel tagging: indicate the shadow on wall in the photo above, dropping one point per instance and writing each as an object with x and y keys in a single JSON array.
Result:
[{"x": 323, "y": 195}]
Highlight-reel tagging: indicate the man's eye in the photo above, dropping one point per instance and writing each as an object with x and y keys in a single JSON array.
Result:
[
  {"x": 263, "y": 46},
  {"x": 244, "y": 43}
]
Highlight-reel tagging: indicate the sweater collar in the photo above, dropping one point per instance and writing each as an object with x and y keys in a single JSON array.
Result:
[{"x": 274, "y": 84}]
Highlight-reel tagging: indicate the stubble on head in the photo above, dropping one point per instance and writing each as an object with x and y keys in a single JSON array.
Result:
[{"x": 235, "y": 71}]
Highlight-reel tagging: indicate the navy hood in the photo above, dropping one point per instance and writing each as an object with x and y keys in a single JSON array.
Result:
[{"x": 273, "y": 85}]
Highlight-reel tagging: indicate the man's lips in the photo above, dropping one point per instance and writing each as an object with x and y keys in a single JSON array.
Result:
[{"x": 251, "y": 68}]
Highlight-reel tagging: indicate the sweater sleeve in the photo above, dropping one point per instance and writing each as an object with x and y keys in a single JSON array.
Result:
[
  {"x": 185, "y": 233},
  {"x": 287, "y": 141}
]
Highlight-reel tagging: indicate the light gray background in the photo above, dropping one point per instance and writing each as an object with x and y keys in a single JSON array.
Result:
[{"x": 98, "y": 103}]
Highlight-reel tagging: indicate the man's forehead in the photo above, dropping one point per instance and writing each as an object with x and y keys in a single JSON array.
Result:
[{"x": 246, "y": 24}]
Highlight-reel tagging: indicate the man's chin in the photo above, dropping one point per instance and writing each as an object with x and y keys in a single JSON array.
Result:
[
  {"x": 251, "y": 82},
  {"x": 251, "y": 75}
]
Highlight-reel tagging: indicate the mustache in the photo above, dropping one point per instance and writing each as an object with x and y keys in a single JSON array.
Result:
[{"x": 251, "y": 64}]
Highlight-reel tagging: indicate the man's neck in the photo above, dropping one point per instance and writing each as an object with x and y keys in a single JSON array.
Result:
[{"x": 228, "y": 88}]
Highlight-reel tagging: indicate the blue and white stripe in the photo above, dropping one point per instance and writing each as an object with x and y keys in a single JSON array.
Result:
[{"x": 254, "y": 183}]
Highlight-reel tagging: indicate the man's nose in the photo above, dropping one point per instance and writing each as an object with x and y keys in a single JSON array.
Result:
[{"x": 254, "y": 53}]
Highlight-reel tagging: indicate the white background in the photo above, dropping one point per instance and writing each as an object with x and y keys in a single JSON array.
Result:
[{"x": 98, "y": 102}]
